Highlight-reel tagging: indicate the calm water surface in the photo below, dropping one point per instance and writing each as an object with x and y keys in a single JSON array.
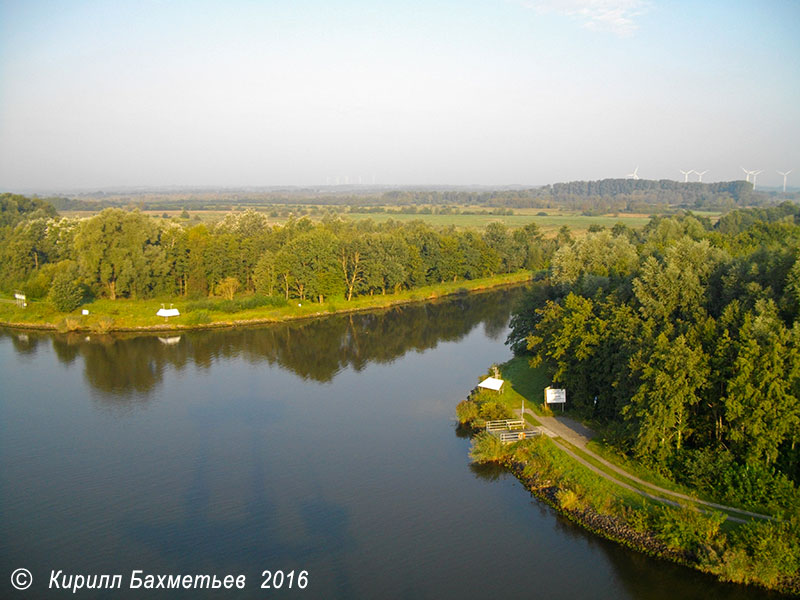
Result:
[{"x": 324, "y": 446}]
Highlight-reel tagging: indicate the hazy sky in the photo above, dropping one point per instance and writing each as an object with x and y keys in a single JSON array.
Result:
[{"x": 102, "y": 94}]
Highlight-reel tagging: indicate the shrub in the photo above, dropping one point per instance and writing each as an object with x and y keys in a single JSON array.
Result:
[
  {"x": 204, "y": 304},
  {"x": 68, "y": 324},
  {"x": 102, "y": 325},
  {"x": 488, "y": 448},
  {"x": 493, "y": 410},
  {"x": 751, "y": 485},
  {"x": 65, "y": 294},
  {"x": 690, "y": 530},
  {"x": 466, "y": 411},
  {"x": 569, "y": 499},
  {"x": 198, "y": 317}
]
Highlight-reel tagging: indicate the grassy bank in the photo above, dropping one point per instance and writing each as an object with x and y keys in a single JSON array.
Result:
[
  {"x": 765, "y": 554},
  {"x": 135, "y": 315}
]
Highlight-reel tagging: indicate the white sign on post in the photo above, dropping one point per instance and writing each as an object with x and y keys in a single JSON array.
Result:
[{"x": 555, "y": 396}]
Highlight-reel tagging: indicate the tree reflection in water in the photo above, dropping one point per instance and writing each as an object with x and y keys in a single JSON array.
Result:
[{"x": 126, "y": 366}]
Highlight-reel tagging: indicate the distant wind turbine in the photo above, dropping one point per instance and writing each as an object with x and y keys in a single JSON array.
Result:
[
  {"x": 700, "y": 175},
  {"x": 686, "y": 175},
  {"x": 755, "y": 174},
  {"x": 784, "y": 178},
  {"x": 747, "y": 174},
  {"x": 635, "y": 174}
]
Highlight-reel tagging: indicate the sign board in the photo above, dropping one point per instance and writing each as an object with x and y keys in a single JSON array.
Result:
[
  {"x": 555, "y": 396},
  {"x": 168, "y": 312}
]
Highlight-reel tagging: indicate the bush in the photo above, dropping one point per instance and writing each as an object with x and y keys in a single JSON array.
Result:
[
  {"x": 466, "y": 411},
  {"x": 204, "y": 304},
  {"x": 569, "y": 499},
  {"x": 65, "y": 294},
  {"x": 102, "y": 325},
  {"x": 754, "y": 486},
  {"x": 198, "y": 317},
  {"x": 493, "y": 410},
  {"x": 68, "y": 324},
  {"x": 765, "y": 553},
  {"x": 690, "y": 530},
  {"x": 488, "y": 448}
]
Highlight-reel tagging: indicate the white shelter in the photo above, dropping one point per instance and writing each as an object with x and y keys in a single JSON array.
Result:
[{"x": 491, "y": 383}]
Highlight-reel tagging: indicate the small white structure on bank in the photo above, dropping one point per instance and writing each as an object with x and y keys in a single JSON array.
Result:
[
  {"x": 555, "y": 396},
  {"x": 492, "y": 383},
  {"x": 168, "y": 312}
]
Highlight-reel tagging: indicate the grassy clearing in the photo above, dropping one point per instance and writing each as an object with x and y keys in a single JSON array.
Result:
[
  {"x": 549, "y": 220},
  {"x": 640, "y": 471},
  {"x": 127, "y": 314}
]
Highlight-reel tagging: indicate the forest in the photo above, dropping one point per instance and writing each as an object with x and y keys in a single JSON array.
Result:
[
  {"x": 596, "y": 197},
  {"x": 681, "y": 342},
  {"x": 126, "y": 254}
]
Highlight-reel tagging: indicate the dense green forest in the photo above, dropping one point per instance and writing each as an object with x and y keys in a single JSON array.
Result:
[
  {"x": 119, "y": 253},
  {"x": 682, "y": 342}
]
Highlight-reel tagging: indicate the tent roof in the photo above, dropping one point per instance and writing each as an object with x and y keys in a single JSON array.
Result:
[{"x": 491, "y": 383}]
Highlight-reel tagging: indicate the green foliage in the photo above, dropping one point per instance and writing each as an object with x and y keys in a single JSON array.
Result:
[
  {"x": 65, "y": 294},
  {"x": 752, "y": 485},
  {"x": 466, "y": 411},
  {"x": 696, "y": 348},
  {"x": 488, "y": 448},
  {"x": 198, "y": 317},
  {"x": 569, "y": 499},
  {"x": 102, "y": 325},
  {"x": 690, "y": 530},
  {"x": 766, "y": 554}
]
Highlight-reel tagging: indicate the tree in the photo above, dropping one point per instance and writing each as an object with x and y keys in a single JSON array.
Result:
[
  {"x": 65, "y": 293},
  {"x": 671, "y": 382},
  {"x": 227, "y": 287},
  {"x": 119, "y": 251},
  {"x": 598, "y": 254},
  {"x": 762, "y": 409},
  {"x": 675, "y": 288}
]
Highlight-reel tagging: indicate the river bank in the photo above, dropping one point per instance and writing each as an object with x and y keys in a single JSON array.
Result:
[
  {"x": 755, "y": 552},
  {"x": 125, "y": 315}
]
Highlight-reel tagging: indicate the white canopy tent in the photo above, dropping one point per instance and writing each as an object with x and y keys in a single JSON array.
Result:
[{"x": 491, "y": 383}]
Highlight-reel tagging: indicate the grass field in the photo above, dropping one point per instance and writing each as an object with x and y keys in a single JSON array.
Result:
[{"x": 550, "y": 222}]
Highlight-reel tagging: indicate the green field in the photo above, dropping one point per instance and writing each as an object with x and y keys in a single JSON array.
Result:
[{"x": 550, "y": 222}]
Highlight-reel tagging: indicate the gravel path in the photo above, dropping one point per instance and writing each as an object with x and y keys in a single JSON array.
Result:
[{"x": 578, "y": 435}]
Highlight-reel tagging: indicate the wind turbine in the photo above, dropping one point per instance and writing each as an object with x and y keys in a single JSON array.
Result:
[
  {"x": 755, "y": 174},
  {"x": 686, "y": 175},
  {"x": 635, "y": 174},
  {"x": 700, "y": 175},
  {"x": 747, "y": 174},
  {"x": 784, "y": 178}
]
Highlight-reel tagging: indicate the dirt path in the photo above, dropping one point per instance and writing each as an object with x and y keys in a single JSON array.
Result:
[{"x": 578, "y": 435}]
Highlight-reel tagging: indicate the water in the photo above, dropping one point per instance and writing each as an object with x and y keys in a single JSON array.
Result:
[{"x": 324, "y": 446}]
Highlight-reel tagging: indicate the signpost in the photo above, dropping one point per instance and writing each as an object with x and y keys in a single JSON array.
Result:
[{"x": 555, "y": 396}]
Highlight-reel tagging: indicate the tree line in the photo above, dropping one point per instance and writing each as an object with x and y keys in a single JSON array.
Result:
[
  {"x": 683, "y": 342},
  {"x": 601, "y": 196},
  {"x": 119, "y": 253}
]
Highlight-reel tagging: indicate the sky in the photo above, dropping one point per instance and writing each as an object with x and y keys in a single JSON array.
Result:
[{"x": 102, "y": 95}]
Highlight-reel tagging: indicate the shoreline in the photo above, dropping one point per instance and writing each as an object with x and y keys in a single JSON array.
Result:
[{"x": 407, "y": 297}]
